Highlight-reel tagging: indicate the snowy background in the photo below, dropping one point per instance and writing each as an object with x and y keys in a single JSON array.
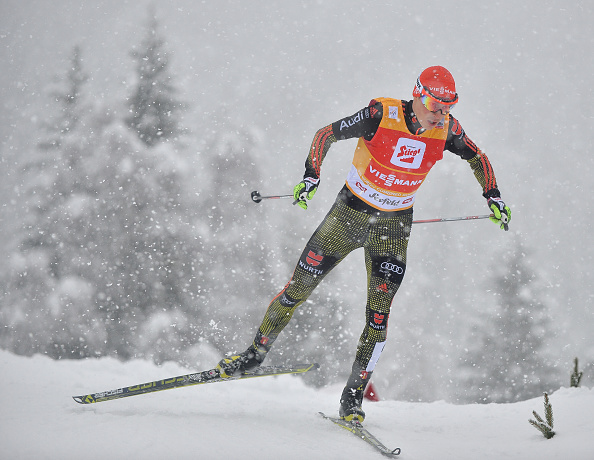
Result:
[{"x": 114, "y": 247}]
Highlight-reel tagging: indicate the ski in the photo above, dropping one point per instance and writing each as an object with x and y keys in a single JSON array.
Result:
[
  {"x": 361, "y": 432},
  {"x": 199, "y": 378}
]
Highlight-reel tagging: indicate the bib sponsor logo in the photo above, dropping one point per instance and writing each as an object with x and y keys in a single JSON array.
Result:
[
  {"x": 361, "y": 187},
  {"x": 388, "y": 180},
  {"x": 366, "y": 191},
  {"x": 408, "y": 153},
  {"x": 394, "y": 203},
  {"x": 393, "y": 113}
]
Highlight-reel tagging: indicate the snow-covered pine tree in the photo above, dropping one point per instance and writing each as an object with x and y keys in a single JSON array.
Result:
[
  {"x": 38, "y": 294},
  {"x": 144, "y": 250},
  {"x": 69, "y": 99},
  {"x": 105, "y": 264},
  {"x": 506, "y": 360},
  {"x": 154, "y": 110},
  {"x": 576, "y": 376},
  {"x": 546, "y": 425}
]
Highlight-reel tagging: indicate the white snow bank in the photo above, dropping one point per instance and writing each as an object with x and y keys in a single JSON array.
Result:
[{"x": 258, "y": 419}]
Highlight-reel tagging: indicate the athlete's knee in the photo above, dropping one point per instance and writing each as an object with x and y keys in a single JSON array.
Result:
[
  {"x": 287, "y": 301},
  {"x": 312, "y": 267}
]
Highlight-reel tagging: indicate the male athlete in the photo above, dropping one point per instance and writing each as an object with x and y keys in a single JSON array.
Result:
[{"x": 399, "y": 142}]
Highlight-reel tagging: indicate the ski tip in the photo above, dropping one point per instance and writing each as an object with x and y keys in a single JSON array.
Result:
[
  {"x": 324, "y": 415},
  {"x": 85, "y": 399}
]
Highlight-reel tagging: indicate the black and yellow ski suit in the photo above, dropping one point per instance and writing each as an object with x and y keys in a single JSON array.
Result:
[{"x": 374, "y": 212}]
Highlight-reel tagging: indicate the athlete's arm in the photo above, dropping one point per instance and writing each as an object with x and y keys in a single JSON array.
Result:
[
  {"x": 364, "y": 124},
  {"x": 460, "y": 144}
]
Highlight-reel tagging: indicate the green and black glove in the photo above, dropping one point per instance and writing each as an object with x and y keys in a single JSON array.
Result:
[
  {"x": 305, "y": 190},
  {"x": 501, "y": 212}
]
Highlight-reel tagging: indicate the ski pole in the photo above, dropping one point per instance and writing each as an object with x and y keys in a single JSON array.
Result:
[
  {"x": 450, "y": 219},
  {"x": 256, "y": 197}
]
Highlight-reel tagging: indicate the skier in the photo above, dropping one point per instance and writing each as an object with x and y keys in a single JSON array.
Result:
[{"x": 399, "y": 142}]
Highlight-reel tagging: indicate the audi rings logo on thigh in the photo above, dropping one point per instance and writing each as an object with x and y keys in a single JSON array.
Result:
[{"x": 390, "y": 269}]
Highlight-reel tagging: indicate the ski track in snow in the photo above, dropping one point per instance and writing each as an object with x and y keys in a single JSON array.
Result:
[{"x": 260, "y": 419}]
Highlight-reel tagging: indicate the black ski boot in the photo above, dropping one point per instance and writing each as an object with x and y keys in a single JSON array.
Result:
[
  {"x": 240, "y": 363},
  {"x": 351, "y": 399},
  {"x": 248, "y": 360}
]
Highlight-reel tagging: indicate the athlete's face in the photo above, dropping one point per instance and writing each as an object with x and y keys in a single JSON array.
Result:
[{"x": 427, "y": 119}]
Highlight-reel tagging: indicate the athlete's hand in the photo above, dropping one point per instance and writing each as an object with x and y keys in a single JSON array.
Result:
[
  {"x": 501, "y": 212},
  {"x": 305, "y": 190}
]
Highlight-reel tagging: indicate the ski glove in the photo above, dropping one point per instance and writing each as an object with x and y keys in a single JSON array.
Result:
[
  {"x": 305, "y": 190},
  {"x": 501, "y": 212}
]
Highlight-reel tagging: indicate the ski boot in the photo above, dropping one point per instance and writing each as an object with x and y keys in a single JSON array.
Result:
[
  {"x": 240, "y": 363},
  {"x": 351, "y": 399}
]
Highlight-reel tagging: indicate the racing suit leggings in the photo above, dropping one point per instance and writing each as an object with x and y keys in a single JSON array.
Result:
[{"x": 384, "y": 238}]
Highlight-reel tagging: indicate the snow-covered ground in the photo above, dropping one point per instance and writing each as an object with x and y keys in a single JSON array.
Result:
[{"x": 260, "y": 419}]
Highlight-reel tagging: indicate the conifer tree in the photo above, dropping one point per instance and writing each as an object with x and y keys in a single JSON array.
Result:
[
  {"x": 576, "y": 375},
  {"x": 546, "y": 425},
  {"x": 69, "y": 99},
  {"x": 506, "y": 359},
  {"x": 52, "y": 190},
  {"x": 153, "y": 107},
  {"x": 105, "y": 259}
]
